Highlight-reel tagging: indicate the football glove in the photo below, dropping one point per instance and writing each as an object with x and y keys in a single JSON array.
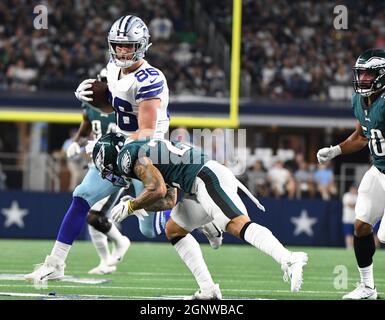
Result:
[
  {"x": 326, "y": 154},
  {"x": 123, "y": 209},
  {"x": 73, "y": 149},
  {"x": 82, "y": 93}
]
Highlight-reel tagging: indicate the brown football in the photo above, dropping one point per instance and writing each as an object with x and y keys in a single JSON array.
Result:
[{"x": 100, "y": 96}]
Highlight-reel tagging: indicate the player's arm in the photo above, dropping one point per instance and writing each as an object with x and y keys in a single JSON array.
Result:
[
  {"x": 155, "y": 188},
  {"x": 355, "y": 142},
  {"x": 166, "y": 203},
  {"x": 83, "y": 131},
  {"x": 147, "y": 116}
]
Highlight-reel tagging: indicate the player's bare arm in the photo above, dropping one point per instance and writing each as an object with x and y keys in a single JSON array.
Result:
[
  {"x": 166, "y": 203},
  {"x": 147, "y": 117},
  {"x": 154, "y": 186},
  {"x": 355, "y": 142},
  {"x": 84, "y": 130}
]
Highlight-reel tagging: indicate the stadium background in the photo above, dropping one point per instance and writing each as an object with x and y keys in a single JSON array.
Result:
[{"x": 281, "y": 71}]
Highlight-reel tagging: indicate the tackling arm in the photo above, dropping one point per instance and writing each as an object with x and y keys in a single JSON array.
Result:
[
  {"x": 166, "y": 203},
  {"x": 154, "y": 186}
]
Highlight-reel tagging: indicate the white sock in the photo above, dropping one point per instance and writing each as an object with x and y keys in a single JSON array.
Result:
[
  {"x": 114, "y": 233},
  {"x": 100, "y": 242},
  {"x": 262, "y": 238},
  {"x": 366, "y": 275},
  {"x": 190, "y": 252},
  {"x": 60, "y": 250}
]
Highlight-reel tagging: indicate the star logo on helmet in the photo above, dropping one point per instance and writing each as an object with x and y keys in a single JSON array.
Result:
[{"x": 126, "y": 163}]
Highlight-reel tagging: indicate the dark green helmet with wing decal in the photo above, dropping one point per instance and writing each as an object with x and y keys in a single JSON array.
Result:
[
  {"x": 369, "y": 72},
  {"x": 105, "y": 154}
]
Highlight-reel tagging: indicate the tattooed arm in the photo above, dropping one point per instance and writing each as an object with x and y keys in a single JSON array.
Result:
[
  {"x": 154, "y": 186},
  {"x": 166, "y": 203}
]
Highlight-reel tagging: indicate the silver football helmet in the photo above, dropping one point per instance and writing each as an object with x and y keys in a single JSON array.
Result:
[{"x": 128, "y": 30}]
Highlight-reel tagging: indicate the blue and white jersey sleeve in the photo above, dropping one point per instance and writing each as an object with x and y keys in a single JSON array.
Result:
[{"x": 150, "y": 84}]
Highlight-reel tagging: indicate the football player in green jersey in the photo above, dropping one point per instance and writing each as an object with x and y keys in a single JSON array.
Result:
[
  {"x": 368, "y": 104},
  {"x": 163, "y": 165}
]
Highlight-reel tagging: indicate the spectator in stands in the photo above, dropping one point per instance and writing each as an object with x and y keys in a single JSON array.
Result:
[
  {"x": 161, "y": 27},
  {"x": 281, "y": 180},
  {"x": 3, "y": 178},
  {"x": 304, "y": 180},
  {"x": 257, "y": 180},
  {"x": 324, "y": 178},
  {"x": 348, "y": 215}
]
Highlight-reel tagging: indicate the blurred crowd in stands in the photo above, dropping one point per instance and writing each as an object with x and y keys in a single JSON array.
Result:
[
  {"x": 292, "y": 50},
  {"x": 74, "y": 46},
  {"x": 288, "y": 50},
  {"x": 291, "y": 178}
]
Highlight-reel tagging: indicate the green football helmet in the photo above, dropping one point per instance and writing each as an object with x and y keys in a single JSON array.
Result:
[
  {"x": 370, "y": 64},
  {"x": 105, "y": 155}
]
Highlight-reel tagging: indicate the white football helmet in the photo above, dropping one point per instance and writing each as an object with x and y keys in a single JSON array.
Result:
[{"x": 129, "y": 30}]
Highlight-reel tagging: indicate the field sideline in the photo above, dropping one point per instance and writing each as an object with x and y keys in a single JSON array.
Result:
[{"x": 154, "y": 271}]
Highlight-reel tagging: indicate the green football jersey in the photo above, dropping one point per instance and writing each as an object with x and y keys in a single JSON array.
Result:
[
  {"x": 101, "y": 123},
  {"x": 179, "y": 163},
  {"x": 372, "y": 121}
]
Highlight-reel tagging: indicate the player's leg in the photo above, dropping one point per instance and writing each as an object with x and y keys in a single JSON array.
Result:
[
  {"x": 189, "y": 250},
  {"x": 218, "y": 191},
  {"x": 92, "y": 189},
  {"x": 101, "y": 229},
  {"x": 369, "y": 210}
]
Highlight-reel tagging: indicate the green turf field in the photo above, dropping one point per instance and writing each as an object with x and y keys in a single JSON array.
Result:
[{"x": 154, "y": 271}]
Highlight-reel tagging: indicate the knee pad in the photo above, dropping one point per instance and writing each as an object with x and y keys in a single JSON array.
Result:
[{"x": 99, "y": 222}]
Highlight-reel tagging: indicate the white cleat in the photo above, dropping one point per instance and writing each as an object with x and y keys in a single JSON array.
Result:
[
  {"x": 362, "y": 292},
  {"x": 213, "y": 234},
  {"x": 102, "y": 268},
  {"x": 293, "y": 270},
  {"x": 51, "y": 269},
  {"x": 213, "y": 293},
  {"x": 118, "y": 252}
]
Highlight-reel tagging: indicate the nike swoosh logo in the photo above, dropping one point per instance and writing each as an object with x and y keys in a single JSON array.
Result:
[
  {"x": 46, "y": 275},
  {"x": 152, "y": 81},
  {"x": 219, "y": 232}
]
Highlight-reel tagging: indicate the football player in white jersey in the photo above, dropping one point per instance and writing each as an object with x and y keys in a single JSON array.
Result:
[{"x": 138, "y": 94}]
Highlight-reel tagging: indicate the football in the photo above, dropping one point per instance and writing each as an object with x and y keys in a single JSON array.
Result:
[{"x": 100, "y": 96}]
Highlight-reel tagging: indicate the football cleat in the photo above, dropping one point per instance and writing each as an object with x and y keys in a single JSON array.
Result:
[
  {"x": 362, "y": 292},
  {"x": 213, "y": 293},
  {"x": 51, "y": 269},
  {"x": 293, "y": 270},
  {"x": 102, "y": 268},
  {"x": 119, "y": 250},
  {"x": 213, "y": 234}
]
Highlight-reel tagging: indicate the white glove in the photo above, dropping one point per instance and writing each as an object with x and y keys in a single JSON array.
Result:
[
  {"x": 81, "y": 92},
  {"x": 326, "y": 154},
  {"x": 90, "y": 146},
  {"x": 73, "y": 149},
  {"x": 121, "y": 211}
]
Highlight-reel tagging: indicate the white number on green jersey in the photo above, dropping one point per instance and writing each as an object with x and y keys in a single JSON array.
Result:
[
  {"x": 377, "y": 142},
  {"x": 97, "y": 128},
  {"x": 179, "y": 150}
]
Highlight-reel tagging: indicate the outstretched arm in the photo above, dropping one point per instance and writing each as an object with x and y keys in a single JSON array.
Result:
[{"x": 355, "y": 142}]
